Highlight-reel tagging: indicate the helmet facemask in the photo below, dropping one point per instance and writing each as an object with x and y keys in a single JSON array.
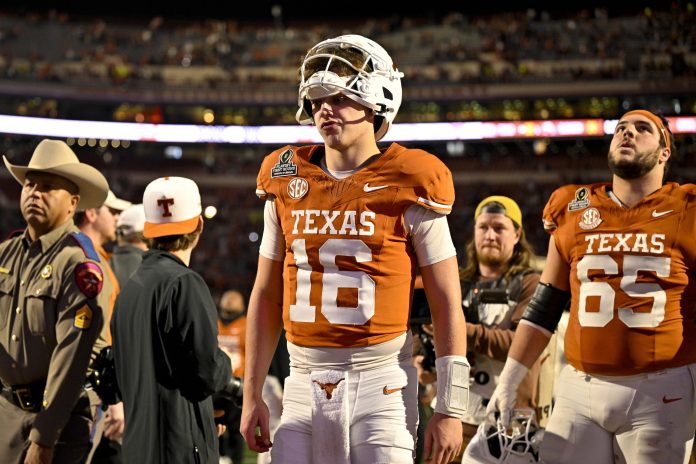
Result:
[
  {"x": 516, "y": 444},
  {"x": 355, "y": 67}
]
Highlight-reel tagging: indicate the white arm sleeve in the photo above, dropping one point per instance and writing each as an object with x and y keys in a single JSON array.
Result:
[
  {"x": 430, "y": 235},
  {"x": 272, "y": 241}
]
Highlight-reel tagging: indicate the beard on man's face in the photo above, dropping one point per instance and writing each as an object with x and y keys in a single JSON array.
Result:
[
  {"x": 490, "y": 257},
  {"x": 634, "y": 168}
]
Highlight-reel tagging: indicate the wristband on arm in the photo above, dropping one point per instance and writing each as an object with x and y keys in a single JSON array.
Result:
[{"x": 452, "y": 385}]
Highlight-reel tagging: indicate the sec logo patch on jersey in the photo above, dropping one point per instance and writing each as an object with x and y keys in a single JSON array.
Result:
[
  {"x": 297, "y": 188},
  {"x": 590, "y": 219}
]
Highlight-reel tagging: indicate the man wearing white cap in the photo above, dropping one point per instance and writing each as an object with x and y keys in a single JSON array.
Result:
[
  {"x": 50, "y": 311},
  {"x": 128, "y": 253},
  {"x": 165, "y": 337},
  {"x": 117, "y": 205}
]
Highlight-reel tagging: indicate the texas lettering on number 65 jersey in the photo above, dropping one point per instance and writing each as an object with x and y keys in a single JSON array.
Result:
[
  {"x": 632, "y": 274},
  {"x": 349, "y": 262}
]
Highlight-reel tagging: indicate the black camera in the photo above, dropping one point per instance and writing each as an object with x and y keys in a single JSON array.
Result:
[
  {"x": 420, "y": 314},
  {"x": 229, "y": 398},
  {"x": 103, "y": 377},
  {"x": 482, "y": 296},
  {"x": 233, "y": 390}
]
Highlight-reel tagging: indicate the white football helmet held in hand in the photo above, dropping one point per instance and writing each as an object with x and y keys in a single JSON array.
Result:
[
  {"x": 516, "y": 444},
  {"x": 356, "y": 67}
]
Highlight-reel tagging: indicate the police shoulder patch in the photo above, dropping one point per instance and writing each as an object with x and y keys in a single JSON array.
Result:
[
  {"x": 89, "y": 279},
  {"x": 86, "y": 244},
  {"x": 83, "y": 318}
]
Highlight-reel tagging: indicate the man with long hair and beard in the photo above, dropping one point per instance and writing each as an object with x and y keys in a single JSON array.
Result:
[
  {"x": 498, "y": 280},
  {"x": 623, "y": 254}
]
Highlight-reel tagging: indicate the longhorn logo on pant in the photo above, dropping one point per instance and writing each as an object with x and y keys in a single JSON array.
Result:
[{"x": 328, "y": 387}]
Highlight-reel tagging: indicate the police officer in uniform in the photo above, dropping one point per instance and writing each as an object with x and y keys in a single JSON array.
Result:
[{"x": 50, "y": 316}]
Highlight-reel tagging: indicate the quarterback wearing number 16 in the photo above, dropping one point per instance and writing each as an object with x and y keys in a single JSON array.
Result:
[
  {"x": 346, "y": 226},
  {"x": 624, "y": 254}
]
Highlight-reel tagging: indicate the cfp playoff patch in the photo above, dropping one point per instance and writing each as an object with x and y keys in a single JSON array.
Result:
[
  {"x": 284, "y": 167},
  {"x": 582, "y": 199}
]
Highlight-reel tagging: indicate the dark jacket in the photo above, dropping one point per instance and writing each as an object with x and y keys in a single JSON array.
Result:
[{"x": 168, "y": 363}]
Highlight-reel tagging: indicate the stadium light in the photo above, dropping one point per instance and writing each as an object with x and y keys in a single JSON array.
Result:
[{"x": 295, "y": 134}]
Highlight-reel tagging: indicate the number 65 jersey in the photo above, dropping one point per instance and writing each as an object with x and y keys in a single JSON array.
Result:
[
  {"x": 632, "y": 277},
  {"x": 349, "y": 264}
]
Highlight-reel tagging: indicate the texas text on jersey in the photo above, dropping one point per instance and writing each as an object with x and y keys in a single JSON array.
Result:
[
  {"x": 349, "y": 258},
  {"x": 630, "y": 283}
]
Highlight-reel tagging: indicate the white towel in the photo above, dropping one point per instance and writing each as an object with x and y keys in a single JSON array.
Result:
[{"x": 330, "y": 428}]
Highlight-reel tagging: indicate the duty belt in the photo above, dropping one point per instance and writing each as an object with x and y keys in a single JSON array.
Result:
[{"x": 27, "y": 397}]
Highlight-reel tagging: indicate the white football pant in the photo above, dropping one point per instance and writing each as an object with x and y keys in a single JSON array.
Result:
[
  {"x": 637, "y": 419},
  {"x": 382, "y": 426}
]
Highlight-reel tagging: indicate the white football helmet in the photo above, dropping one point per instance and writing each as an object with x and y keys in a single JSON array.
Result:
[
  {"x": 356, "y": 67},
  {"x": 516, "y": 444}
]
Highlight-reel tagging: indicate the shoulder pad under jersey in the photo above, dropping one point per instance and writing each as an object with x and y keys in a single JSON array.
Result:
[{"x": 427, "y": 180}]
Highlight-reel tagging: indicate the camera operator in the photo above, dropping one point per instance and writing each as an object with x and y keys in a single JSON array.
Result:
[
  {"x": 498, "y": 281},
  {"x": 167, "y": 359}
]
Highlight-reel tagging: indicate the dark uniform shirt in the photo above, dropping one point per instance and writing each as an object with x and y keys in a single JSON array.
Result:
[
  {"x": 168, "y": 363},
  {"x": 49, "y": 320}
]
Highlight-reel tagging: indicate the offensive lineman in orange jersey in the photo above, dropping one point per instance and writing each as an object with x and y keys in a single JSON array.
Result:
[
  {"x": 625, "y": 251},
  {"x": 345, "y": 226}
]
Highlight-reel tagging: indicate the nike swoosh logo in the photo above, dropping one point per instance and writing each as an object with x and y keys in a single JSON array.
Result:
[
  {"x": 664, "y": 399},
  {"x": 367, "y": 187},
  {"x": 389, "y": 391},
  {"x": 655, "y": 214}
]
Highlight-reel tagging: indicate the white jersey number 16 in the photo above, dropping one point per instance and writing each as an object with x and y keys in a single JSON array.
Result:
[{"x": 333, "y": 279}]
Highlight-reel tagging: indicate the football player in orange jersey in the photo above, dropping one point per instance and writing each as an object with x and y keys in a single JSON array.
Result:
[
  {"x": 346, "y": 225},
  {"x": 623, "y": 253},
  {"x": 231, "y": 338}
]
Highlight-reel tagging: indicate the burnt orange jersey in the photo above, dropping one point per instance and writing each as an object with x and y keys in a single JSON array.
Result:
[
  {"x": 232, "y": 337},
  {"x": 349, "y": 262},
  {"x": 631, "y": 277}
]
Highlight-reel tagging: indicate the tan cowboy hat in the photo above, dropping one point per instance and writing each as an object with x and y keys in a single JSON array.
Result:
[{"x": 56, "y": 157}]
